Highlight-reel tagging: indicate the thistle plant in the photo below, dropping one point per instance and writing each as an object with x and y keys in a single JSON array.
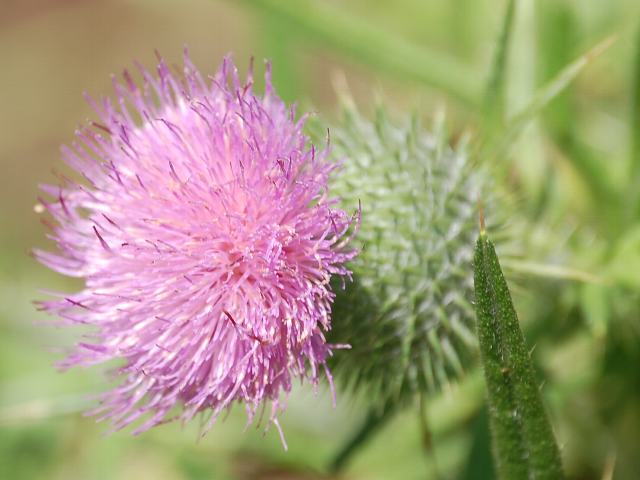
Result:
[
  {"x": 206, "y": 238},
  {"x": 219, "y": 262},
  {"x": 408, "y": 315}
]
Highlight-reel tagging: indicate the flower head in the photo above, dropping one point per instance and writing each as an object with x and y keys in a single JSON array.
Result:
[{"x": 206, "y": 238}]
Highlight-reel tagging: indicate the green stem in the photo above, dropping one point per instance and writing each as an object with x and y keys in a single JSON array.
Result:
[
  {"x": 374, "y": 421},
  {"x": 634, "y": 184},
  {"x": 427, "y": 438}
]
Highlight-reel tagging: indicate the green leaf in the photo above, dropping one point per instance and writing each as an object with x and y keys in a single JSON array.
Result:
[
  {"x": 523, "y": 442},
  {"x": 333, "y": 27},
  {"x": 557, "y": 33},
  {"x": 494, "y": 100},
  {"x": 479, "y": 465}
]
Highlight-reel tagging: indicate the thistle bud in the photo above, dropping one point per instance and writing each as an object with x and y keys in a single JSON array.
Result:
[{"x": 408, "y": 314}]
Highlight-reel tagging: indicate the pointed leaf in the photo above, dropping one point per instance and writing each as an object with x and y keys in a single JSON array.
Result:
[{"x": 523, "y": 442}]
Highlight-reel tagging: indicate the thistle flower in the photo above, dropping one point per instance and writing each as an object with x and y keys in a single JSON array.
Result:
[
  {"x": 408, "y": 313},
  {"x": 206, "y": 239}
]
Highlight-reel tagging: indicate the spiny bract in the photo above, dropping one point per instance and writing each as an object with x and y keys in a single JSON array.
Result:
[
  {"x": 206, "y": 238},
  {"x": 408, "y": 314}
]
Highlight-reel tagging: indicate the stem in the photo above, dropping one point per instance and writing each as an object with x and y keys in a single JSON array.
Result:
[
  {"x": 375, "y": 420},
  {"x": 427, "y": 437}
]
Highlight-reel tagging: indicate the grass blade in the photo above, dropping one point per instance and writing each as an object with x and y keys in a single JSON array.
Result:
[
  {"x": 327, "y": 25},
  {"x": 557, "y": 33},
  {"x": 634, "y": 194},
  {"x": 479, "y": 465},
  {"x": 494, "y": 100},
  {"x": 561, "y": 272},
  {"x": 545, "y": 95},
  {"x": 43, "y": 409},
  {"x": 523, "y": 442}
]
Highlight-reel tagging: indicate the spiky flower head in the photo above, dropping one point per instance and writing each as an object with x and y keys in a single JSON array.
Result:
[
  {"x": 408, "y": 314},
  {"x": 203, "y": 230}
]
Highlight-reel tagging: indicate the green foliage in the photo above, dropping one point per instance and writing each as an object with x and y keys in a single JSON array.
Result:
[
  {"x": 524, "y": 446},
  {"x": 543, "y": 97},
  {"x": 634, "y": 190},
  {"x": 327, "y": 25},
  {"x": 557, "y": 30},
  {"x": 480, "y": 463},
  {"x": 375, "y": 420},
  {"x": 494, "y": 100},
  {"x": 624, "y": 265}
]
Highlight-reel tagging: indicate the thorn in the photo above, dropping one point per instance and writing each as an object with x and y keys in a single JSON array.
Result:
[{"x": 481, "y": 217}]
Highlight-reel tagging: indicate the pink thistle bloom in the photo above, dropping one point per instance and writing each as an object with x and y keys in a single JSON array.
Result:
[{"x": 206, "y": 239}]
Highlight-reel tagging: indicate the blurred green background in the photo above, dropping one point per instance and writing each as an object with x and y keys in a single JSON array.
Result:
[{"x": 575, "y": 171}]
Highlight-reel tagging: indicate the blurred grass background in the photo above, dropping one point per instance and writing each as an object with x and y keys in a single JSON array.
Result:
[{"x": 574, "y": 168}]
